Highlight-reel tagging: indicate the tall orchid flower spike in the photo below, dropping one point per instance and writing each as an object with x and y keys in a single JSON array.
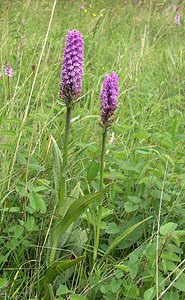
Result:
[
  {"x": 108, "y": 105},
  {"x": 70, "y": 89}
]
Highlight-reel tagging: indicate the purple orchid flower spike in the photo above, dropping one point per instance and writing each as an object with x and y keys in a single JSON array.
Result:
[
  {"x": 72, "y": 67},
  {"x": 177, "y": 19},
  {"x": 109, "y": 97},
  {"x": 8, "y": 70},
  {"x": 23, "y": 21},
  {"x": 82, "y": 6}
]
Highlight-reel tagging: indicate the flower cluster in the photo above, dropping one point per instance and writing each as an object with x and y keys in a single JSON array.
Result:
[
  {"x": 8, "y": 70},
  {"x": 72, "y": 75},
  {"x": 72, "y": 67},
  {"x": 109, "y": 97}
]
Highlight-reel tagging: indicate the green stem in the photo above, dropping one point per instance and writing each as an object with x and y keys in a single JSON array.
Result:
[
  {"x": 104, "y": 134},
  {"x": 9, "y": 89},
  {"x": 99, "y": 217},
  {"x": 62, "y": 197}
]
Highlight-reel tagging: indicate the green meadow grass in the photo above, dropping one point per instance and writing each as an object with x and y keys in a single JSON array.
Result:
[{"x": 145, "y": 152}]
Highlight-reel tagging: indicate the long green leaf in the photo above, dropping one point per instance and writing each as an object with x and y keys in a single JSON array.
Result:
[
  {"x": 57, "y": 166},
  {"x": 57, "y": 267},
  {"x": 122, "y": 236},
  {"x": 73, "y": 212},
  {"x": 53, "y": 271}
]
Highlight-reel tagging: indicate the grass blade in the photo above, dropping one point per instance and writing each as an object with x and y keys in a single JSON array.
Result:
[{"x": 122, "y": 236}]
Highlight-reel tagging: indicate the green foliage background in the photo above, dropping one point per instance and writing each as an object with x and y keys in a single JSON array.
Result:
[{"x": 145, "y": 157}]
